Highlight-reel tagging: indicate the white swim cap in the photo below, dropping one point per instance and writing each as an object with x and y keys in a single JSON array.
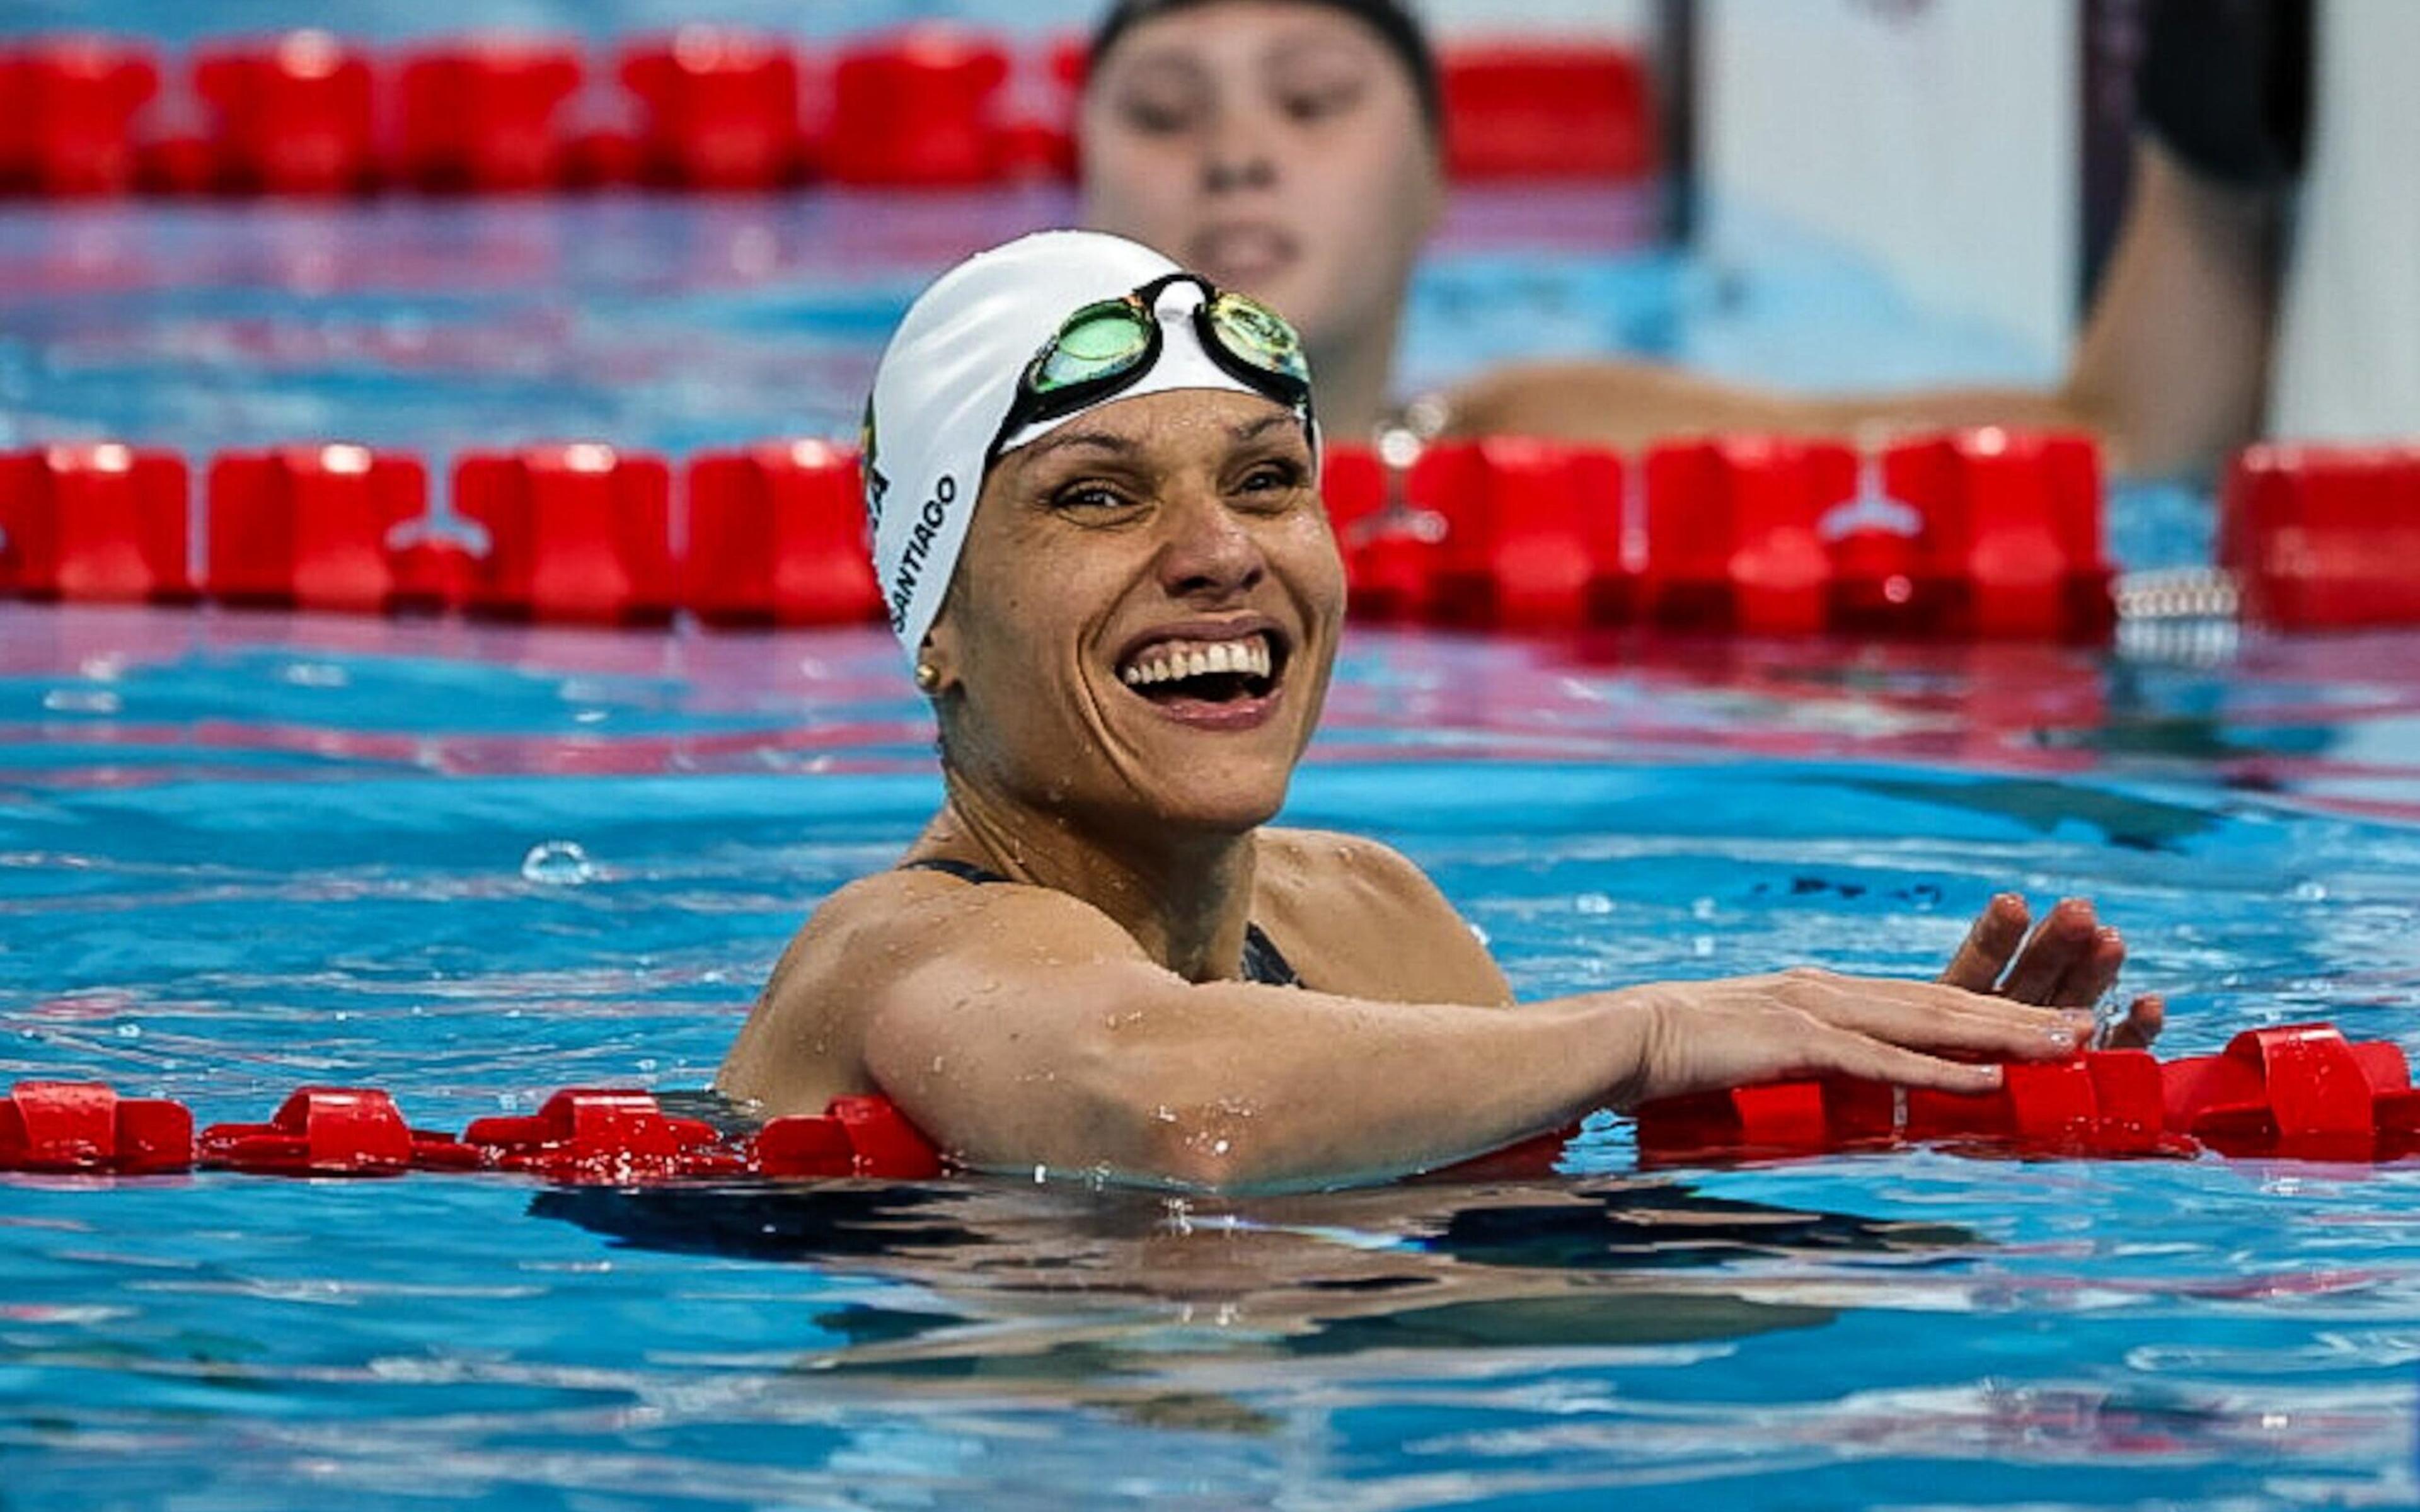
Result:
[{"x": 951, "y": 372}]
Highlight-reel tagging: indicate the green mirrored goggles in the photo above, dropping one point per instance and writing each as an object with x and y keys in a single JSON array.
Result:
[{"x": 1110, "y": 343}]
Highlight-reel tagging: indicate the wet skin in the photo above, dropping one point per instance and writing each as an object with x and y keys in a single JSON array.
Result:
[{"x": 1091, "y": 1017}]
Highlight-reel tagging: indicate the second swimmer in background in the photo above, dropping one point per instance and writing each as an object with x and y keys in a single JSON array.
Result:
[{"x": 1292, "y": 150}]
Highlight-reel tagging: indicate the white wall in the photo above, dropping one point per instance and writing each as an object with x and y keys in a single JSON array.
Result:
[{"x": 1937, "y": 138}]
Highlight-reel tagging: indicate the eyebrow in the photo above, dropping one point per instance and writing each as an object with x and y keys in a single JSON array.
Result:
[
  {"x": 1092, "y": 440},
  {"x": 1254, "y": 429},
  {"x": 1102, "y": 441}
]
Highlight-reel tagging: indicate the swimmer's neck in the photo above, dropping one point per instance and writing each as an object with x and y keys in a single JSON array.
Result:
[{"x": 1186, "y": 898}]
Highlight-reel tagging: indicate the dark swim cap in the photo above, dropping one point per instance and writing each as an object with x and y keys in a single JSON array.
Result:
[{"x": 1393, "y": 22}]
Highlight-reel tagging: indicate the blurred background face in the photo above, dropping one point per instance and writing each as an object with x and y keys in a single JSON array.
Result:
[{"x": 1277, "y": 148}]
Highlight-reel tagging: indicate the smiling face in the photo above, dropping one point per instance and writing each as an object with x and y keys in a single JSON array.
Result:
[
  {"x": 1144, "y": 619},
  {"x": 1277, "y": 147}
]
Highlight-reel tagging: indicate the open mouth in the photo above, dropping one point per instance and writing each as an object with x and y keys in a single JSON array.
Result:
[{"x": 1235, "y": 671}]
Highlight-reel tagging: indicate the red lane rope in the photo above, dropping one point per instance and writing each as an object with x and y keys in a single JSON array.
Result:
[
  {"x": 1985, "y": 534},
  {"x": 308, "y": 113},
  {"x": 2300, "y": 1092}
]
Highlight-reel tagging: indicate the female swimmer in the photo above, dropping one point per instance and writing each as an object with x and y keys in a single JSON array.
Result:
[
  {"x": 1289, "y": 149},
  {"x": 1092, "y": 477}
]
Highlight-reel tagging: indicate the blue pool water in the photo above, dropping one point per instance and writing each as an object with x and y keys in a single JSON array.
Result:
[{"x": 240, "y": 853}]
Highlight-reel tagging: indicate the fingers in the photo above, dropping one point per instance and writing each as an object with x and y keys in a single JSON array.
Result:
[
  {"x": 1929, "y": 1016},
  {"x": 1855, "y": 1054},
  {"x": 1990, "y": 945},
  {"x": 2061, "y": 948},
  {"x": 2091, "y": 978},
  {"x": 2145, "y": 1017}
]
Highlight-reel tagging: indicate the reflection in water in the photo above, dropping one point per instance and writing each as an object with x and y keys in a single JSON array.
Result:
[{"x": 1093, "y": 1291}]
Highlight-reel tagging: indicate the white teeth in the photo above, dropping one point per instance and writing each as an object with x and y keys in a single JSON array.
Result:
[{"x": 1169, "y": 660}]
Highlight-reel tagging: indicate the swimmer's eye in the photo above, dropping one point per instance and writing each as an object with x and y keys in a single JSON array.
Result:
[
  {"x": 1096, "y": 498},
  {"x": 1306, "y": 106},
  {"x": 1281, "y": 477},
  {"x": 1156, "y": 117}
]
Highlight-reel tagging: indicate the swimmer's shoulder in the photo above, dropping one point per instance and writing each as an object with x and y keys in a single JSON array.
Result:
[
  {"x": 887, "y": 924},
  {"x": 804, "y": 1040},
  {"x": 1358, "y": 916}
]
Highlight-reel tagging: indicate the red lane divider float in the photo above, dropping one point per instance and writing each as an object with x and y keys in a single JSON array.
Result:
[
  {"x": 720, "y": 110},
  {"x": 605, "y": 1134},
  {"x": 1986, "y": 534},
  {"x": 1533, "y": 532},
  {"x": 777, "y": 536},
  {"x": 85, "y": 1126},
  {"x": 487, "y": 115},
  {"x": 704, "y": 108},
  {"x": 95, "y": 523},
  {"x": 1526, "y": 111},
  {"x": 311, "y": 526},
  {"x": 72, "y": 103},
  {"x": 2011, "y": 543},
  {"x": 2323, "y": 537},
  {"x": 577, "y": 533},
  {"x": 292, "y": 116},
  {"x": 920, "y": 109},
  {"x": 332, "y": 1131},
  {"x": 1732, "y": 541},
  {"x": 2300, "y": 1092},
  {"x": 582, "y": 1134}
]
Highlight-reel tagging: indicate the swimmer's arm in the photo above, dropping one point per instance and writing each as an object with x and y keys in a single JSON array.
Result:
[
  {"x": 2171, "y": 370},
  {"x": 1044, "y": 1038}
]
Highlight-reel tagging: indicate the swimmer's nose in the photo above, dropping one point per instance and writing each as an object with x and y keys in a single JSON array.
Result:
[
  {"x": 1209, "y": 555},
  {"x": 1238, "y": 156}
]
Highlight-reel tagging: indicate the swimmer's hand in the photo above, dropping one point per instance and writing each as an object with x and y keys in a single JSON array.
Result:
[
  {"x": 1705, "y": 1036},
  {"x": 2070, "y": 960}
]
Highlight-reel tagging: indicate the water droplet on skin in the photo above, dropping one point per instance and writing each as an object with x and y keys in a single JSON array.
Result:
[
  {"x": 558, "y": 863},
  {"x": 1164, "y": 1114},
  {"x": 937, "y": 1065},
  {"x": 1218, "y": 1147}
]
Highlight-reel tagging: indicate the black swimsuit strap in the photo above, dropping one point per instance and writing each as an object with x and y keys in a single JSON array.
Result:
[{"x": 1263, "y": 963}]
